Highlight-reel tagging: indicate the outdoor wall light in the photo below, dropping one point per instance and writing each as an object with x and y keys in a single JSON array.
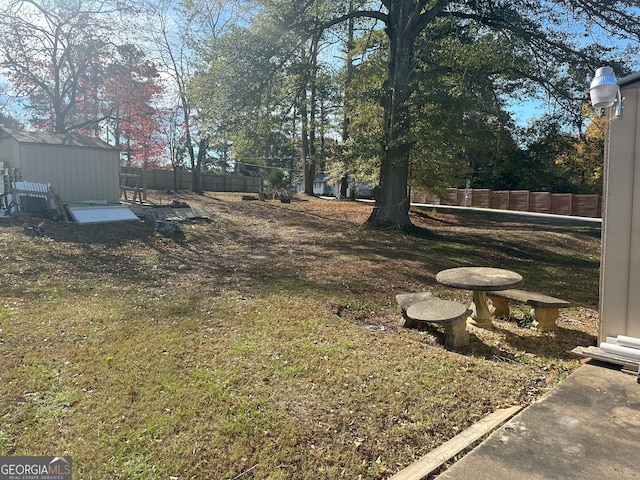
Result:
[{"x": 604, "y": 90}]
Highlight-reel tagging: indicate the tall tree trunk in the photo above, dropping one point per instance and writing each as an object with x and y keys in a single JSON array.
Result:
[
  {"x": 312, "y": 132},
  {"x": 344, "y": 186},
  {"x": 178, "y": 72},
  {"x": 203, "y": 145},
  {"x": 392, "y": 208},
  {"x": 304, "y": 131},
  {"x": 346, "y": 119},
  {"x": 309, "y": 118},
  {"x": 192, "y": 158},
  {"x": 189, "y": 144}
]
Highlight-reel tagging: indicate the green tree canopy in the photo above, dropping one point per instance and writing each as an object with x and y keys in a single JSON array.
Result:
[
  {"x": 543, "y": 48},
  {"x": 428, "y": 99}
]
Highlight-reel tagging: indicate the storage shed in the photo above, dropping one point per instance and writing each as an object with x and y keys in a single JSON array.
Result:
[
  {"x": 78, "y": 168},
  {"x": 620, "y": 267}
]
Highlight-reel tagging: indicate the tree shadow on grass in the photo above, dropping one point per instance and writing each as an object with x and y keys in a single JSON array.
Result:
[
  {"x": 549, "y": 345},
  {"x": 514, "y": 346},
  {"x": 113, "y": 233},
  {"x": 550, "y": 265}
]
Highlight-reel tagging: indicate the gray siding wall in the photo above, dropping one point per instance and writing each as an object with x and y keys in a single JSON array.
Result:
[
  {"x": 620, "y": 266},
  {"x": 10, "y": 152},
  {"x": 74, "y": 173}
]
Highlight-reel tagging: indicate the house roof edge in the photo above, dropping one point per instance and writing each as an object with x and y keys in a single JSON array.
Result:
[
  {"x": 55, "y": 139},
  {"x": 629, "y": 79}
]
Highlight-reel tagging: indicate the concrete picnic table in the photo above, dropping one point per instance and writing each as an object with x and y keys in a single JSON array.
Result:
[{"x": 480, "y": 280}]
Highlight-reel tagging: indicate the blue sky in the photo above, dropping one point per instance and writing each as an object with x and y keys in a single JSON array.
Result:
[{"x": 523, "y": 112}]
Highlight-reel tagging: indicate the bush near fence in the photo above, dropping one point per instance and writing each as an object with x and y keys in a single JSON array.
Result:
[
  {"x": 520, "y": 200},
  {"x": 163, "y": 180}
]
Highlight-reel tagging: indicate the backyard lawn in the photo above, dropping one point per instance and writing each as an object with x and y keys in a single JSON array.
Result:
[{"x": 265, "y": 343}]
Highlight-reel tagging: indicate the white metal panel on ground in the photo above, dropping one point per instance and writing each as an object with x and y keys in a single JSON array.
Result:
[{"x": 116, "y": 213}]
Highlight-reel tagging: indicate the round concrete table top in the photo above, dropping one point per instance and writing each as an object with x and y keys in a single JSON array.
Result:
[{"x": 479, "y": 278}]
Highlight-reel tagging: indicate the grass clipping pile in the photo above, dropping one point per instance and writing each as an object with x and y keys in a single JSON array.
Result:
[{"x": 265, "y": 343}]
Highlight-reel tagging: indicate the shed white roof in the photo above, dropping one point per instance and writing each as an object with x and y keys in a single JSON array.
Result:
[{"x": 60, "y": 139}]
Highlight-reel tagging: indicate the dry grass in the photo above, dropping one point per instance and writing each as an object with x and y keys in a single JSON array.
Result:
[{"x": 265, "y": 344}]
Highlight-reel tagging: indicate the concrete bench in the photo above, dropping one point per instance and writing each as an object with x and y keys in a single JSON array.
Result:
[
  {"x": 545, "y": 309},
  {"x": 422, "y": 307}
]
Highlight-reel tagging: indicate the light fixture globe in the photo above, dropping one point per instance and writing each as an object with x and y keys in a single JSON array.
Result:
[{"x": 604, "y": 88}]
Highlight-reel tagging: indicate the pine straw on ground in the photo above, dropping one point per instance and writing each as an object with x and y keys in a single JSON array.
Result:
[{"x": 265, "y": 343}]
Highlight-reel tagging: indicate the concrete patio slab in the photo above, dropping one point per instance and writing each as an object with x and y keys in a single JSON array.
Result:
[{"x": 587, "y": 427}]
